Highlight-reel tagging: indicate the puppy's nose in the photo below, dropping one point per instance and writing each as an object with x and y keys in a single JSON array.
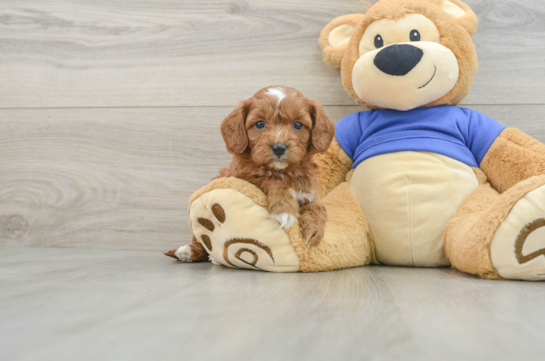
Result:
[
  {"x": 398, "y": 59},
  {"x": 279, "y": 149}
]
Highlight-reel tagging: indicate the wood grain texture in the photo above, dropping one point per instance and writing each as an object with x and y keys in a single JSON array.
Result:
[
  {"x": 103, "y": 53},
  {"x": 105, "y": 178},
  {"x": 128, "y": 97},
  {"x": 120, "y": 178},
  {"x": 66, "y": 304}
]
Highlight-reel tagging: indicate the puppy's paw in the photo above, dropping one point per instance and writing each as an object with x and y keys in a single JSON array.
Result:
[
  {"x": 312, "y": 234},
  {"x": 286, "y": 220},
  {"x": 314, "y": 239},
  {"x": 213, "y": 260},
  {"x": 312, "y": 221},
  {"x": 183, "y": 254}
]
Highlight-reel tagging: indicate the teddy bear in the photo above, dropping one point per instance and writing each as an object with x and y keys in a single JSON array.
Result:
[{"x": 413, "y": 180}]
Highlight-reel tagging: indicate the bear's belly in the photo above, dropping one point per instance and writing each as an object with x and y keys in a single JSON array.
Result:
[{"x": 408, "y": 199}]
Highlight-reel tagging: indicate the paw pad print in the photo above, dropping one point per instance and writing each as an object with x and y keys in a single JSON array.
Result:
[
  {"x": 245, "y": 247},
  {"x": 518, "y": 246},
  {"x": 238, "y": 233}
]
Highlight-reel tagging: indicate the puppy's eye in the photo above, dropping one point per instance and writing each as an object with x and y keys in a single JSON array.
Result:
[
  {"x": 415, "y": 35},
  {"x": 379, "y": 42},
  {"x": 297, "y": 126},
  {"x": 260, "y": 125}
]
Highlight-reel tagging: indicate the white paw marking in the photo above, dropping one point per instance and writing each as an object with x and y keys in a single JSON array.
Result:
[
  {"x": 302, "y": 197},
  {"x": 213, "y": 260},
  {"x": 278, "y": 93},
  {"x": 184, "y": 254},
  {"x": 286, "y": 220}
]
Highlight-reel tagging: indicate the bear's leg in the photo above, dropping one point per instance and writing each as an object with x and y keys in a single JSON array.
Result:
[
  {"x": 500, "y": 236},
  {"x": 231, "y": 221}
]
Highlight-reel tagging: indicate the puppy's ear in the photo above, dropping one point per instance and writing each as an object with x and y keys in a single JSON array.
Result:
[
  {"x": 233, "y": 129},
  {"x": 335, "y": 36},
  {"x": 323, "y": 128}
]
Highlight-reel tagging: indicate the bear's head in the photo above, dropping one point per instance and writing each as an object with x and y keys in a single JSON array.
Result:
[{"x": 404, "y": 54}]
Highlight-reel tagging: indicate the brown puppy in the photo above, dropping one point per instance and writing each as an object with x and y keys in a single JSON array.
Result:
[{"x": 272, "y": 137}]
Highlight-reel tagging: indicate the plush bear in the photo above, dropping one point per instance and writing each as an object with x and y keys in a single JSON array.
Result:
[{"x": 412, "y": 181}]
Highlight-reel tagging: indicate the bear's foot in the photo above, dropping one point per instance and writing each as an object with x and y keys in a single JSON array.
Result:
[
  {"x": 238, "y": 233},
  {"x": 518, "y": 246}
]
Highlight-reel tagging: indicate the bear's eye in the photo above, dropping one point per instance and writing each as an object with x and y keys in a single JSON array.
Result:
[
  {"x": 379, "y": 42},
  {"x": 260, "y": 124},
  {"x": 415, "y": 35},
  {"x": 297, "y": 126}
]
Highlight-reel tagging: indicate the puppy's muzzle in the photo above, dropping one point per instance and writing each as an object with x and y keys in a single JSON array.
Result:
[
  {"x": 279, "y": 149},
  {"x": 398, "y": 59}
]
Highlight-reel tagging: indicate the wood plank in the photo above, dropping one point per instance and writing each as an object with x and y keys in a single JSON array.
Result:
[
  {"x": 120, "y": 178},
  {"x": 112, "y": 178},
  {"x": 215, "y": 52},
  {"x": 67, "y": 304}
]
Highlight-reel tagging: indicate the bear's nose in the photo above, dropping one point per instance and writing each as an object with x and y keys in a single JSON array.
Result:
[
  {"x": 279, "y": 149},
  {"x": 398, "y": 59}
]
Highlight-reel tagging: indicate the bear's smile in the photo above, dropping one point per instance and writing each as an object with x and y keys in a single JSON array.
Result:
[
  {"x": 402, "y": 64},
  {"x": 433, "y": 76}
]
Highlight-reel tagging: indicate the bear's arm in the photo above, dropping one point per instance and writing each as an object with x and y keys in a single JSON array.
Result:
[
  {"x": 333, "y": 167},
  {"x": 513, "y": 157}
]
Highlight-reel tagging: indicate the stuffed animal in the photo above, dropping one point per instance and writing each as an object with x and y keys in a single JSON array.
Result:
[{"x": 412, "y": 181}]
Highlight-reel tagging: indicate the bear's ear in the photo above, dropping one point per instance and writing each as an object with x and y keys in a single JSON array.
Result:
[
  {"x": 461, "y": 12},
  {"x": 335, "y": 36}
]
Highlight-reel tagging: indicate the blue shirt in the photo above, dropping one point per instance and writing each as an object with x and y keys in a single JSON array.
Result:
[{"x": 459, "y": 133}]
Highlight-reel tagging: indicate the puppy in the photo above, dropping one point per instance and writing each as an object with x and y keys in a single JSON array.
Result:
[{"x": 272, "y": 137}]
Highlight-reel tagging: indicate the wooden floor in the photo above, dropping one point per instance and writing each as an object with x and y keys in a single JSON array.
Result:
[
  {"x": 109, "y": 120},
  {"x": 60, "y": 304}
]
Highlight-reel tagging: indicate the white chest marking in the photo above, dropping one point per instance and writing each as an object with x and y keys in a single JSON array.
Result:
[
  {"x": 278, "y": 93},
  {"x": 302, "y": 197}
]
